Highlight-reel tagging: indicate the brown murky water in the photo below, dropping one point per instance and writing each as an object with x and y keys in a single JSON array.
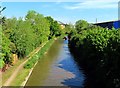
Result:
[{"x": 57, "y": 68}]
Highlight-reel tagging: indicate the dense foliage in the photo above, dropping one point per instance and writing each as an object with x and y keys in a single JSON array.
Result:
[
  {"x": 55, "y": 29},
  {"x": 98, "y": 50},
  {"x": 21, "y": 36},
  {"x": 81, "y": 25},
  {"x": 68, "y": 28}
]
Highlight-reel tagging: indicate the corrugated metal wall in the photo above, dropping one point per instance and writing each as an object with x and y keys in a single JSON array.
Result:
[{"x": 116, "y": 24}]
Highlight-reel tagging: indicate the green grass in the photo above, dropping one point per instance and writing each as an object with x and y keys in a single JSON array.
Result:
[
  {"x": 25, "y": 71},
  {"x": 9, "y": 72},
  {"x": 21, "y": 77}
]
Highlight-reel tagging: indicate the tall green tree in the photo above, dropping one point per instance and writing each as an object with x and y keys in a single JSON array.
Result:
[
  {"x": 68, "y": 28},
  {"x": 5, "y": 54},
  {"x": 55, "y": 29},
  {"x": 81, "y": 25},
  {"x": 40, "y": 26},
  {"x": 21, "y": 36}
]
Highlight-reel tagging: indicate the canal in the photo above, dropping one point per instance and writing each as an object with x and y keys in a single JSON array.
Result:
[{"x": 57, "y": 68}]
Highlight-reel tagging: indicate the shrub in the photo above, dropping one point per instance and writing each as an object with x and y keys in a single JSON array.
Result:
[{"x": 99, "y": 50}]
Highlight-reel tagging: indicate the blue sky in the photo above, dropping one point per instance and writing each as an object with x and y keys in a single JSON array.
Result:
[{"x": 67, "y": 12}]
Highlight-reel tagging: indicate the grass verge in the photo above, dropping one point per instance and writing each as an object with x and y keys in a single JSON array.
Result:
[
  {"x": 8, "y": 73},
  {"x": 30, "y": 64}
]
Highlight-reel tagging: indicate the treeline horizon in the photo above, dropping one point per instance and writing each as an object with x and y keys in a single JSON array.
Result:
[{"x": 21, "y": 36}]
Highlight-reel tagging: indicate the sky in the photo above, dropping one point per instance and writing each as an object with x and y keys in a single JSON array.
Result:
[{"x": 66, "y": 12}]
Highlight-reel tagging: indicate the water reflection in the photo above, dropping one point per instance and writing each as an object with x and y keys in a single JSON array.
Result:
[
  {"x": 42, "y": 69},
  {"x": 57, "y": 68},
  {"x": 70, "y": 65}
]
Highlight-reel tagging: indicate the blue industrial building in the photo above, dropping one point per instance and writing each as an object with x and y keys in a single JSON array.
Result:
[
  {"x": 119, "y": 10},
  {"x": 115, "y": 24}
]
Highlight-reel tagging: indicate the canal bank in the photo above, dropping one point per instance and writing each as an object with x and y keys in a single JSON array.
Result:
[
  {"x": 57, "y": 68},
  {"x": 23, "y": 73},
  {"x": 17, "y": 69},
  {"x": 51, "y": 41}
]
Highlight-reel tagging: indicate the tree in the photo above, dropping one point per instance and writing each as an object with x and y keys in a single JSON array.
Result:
[
  {"x": 24, "y": 38},
  {"x": 5, "y": 55},
  {"x": 40, "y": 26},
  {"x": 55, "y": 29},
  {"x": 21, "y": 36},
  {"x": 68, "y": 28},
  {"x": 81, "y": 25}
]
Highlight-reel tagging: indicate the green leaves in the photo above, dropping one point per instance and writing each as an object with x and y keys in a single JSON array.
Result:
[
  {"x": 5, "y": 54},
  {"x": 27, "y": 34},
  {"x": 81, "y": 25},
  {"x": 21, "y": 36},
  {"x": 98, "y": 50},
  {"x": 31, "y": 62},
  {"x": 54, "y": 27},
  {"x": 98, "y": 38},
  {"x": 1, "y": 63}
]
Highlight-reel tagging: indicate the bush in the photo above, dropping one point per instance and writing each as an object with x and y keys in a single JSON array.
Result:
[
  {"x": 1, "y": 63},
  {"x": 98, "y": 50}
]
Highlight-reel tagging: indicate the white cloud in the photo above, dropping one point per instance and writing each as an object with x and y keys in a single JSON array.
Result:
[{"x": 88, "y": 4}]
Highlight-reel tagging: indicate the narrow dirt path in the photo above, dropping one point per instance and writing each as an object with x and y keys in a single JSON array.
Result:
[{"x": 12, "y": 77}]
